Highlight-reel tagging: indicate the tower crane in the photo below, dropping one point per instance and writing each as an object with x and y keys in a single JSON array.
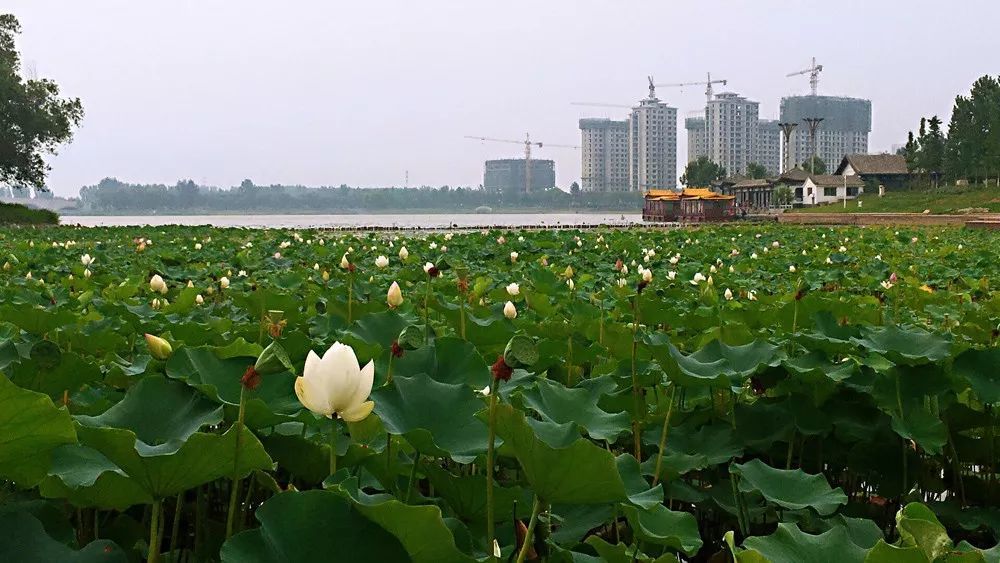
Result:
[
  {"x": 708, "y": 85},
  {"x": 813, "y": 72},
  {"x": 528, "y": 143}
]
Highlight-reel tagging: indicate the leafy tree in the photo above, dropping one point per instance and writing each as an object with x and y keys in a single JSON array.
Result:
[
  {"x": 702, "y": 172},
  {"x": 783, "y": 195},
  {"x": 973, "y": 147},
  {"x": 574, "y": 188},
  {"x": 932, "y": 149},
  {"x": 34, "y": 120},
  {"x": 814, "y": 161},
  {"x": 756, "y": 171}
]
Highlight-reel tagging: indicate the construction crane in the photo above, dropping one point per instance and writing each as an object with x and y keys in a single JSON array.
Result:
[
  {"x": 708, "y": 85},
  {"x": 813, "y": 73},
  {"x": 528, "y": 143}
]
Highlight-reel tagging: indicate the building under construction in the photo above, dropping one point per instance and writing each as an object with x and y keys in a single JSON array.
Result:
[
  {"x": 842, "y": 130},
  {"x": 508, "y": 175}
]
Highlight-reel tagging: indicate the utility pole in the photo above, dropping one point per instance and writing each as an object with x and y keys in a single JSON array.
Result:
[
  {"x": 813, "y": 124},
  {"x": 787, "y": 129}
]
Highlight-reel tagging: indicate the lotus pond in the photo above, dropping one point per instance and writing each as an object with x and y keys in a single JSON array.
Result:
[{"x": 752, "y": 393}]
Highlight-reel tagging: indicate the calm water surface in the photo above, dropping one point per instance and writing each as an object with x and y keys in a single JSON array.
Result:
[{"x": 402, "y": 221}]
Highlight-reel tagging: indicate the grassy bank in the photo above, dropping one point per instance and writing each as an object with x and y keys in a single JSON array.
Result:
[
  {"x": 15, "y": 214},
  {"x": 942, "y": 200}
]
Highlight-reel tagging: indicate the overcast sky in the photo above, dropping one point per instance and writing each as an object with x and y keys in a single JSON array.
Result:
[{"x": 324, "y": 92}]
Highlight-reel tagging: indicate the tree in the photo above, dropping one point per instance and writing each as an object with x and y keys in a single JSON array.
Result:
[
  {"x": 815, "y": 160},
  {"x": 973, "y": 147},
  {"x": 34, "y": 120},
  {"x": 702, "y": 172},
  {"x": 574, "y": 188},
  {"x": 932, "y": 149},
  {"x": 756, "y": 171},
  {"x": 783, "y": 195}
]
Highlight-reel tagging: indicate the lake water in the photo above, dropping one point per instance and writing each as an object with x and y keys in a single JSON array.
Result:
[{"x": 399, "y": 221}]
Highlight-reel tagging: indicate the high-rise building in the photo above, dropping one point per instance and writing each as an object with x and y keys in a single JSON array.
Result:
[
  {"x": 731, "y": 131},
  {"x": 652, "y": 145},
  {"x": 605, "y": 155},
  {"x": 767, "y": 149},
  {"x": 844, "y": 129},
  {"x": 697, "y": 142},
  {"x": 507, "y": 175}
]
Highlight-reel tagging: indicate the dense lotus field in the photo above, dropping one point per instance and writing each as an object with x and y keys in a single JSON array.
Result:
[{"x": 757, "y": 393}]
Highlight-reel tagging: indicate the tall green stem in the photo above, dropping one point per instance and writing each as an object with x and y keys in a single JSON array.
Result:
[
  {"x": 153, "y": 556},
  {"x": 175, "y": 529},
  {"x": 663, "y": 435},
  {"x": 350, "y": 297},
  {"x": 413, "y": 475},
  {"x": 333, "y": 446},
  {"x": 427, "y": 321},
  {"x": 526, "y": 546},
  {"x": 461, "y": 319},
  {"x": 636, "y": 425},
  {"x": 490, "y": 452},
  {"x": 235, "y": 489}
]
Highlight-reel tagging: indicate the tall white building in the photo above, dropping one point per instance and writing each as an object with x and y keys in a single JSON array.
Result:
[
  {"x": 843, "y": 131},
  {"x": 652, "y": 145},
  {"x": 605, "y": 155},
  {"x": 767, "y": 149},
  {"x": 731, "y": 131},
  {"x": 697, "y": 141}
]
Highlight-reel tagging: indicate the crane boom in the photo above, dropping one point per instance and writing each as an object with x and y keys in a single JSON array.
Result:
[
  {"x": 527, "y": 142},
  {"x": 813, "y": 72},
  {"x": 708, "y": 85}
]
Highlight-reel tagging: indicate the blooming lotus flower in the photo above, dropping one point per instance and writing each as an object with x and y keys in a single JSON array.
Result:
[
  {"x": 433, "y": 245},
  {"x": 156, "y": 283},
  {"x": 395, "y": 296},
  {"x": 674, "y": 260},
  {"x": 224, "y": 282},
  {"x": 501, "y": 240},
  {"x": 158, "y": 347},
  {"x": 87, "y": 260},
  {"x": 381, "y": 261},
  {"x": 444, "y": 249},
  {"x": 571, "y": 285},
  {"x": 753, "y": 256},
  {"x": 647, "y": 276},
  {"x": 277, "y": 256},
  {"x": 197, "y": 246},
  {"x": 843, "y": 249},
  {"x": 886, "y": 284},
  {"x": 403, "y": 253},
  {"x": 448, "y": 236},
  {"x": 622, "y": 282},
  {"x": 712, "y": 269},
  {"x": 671, "y": 274},
  {"x": 568, "y": 272},
  {"x": 509, "y": 310},
  {"x": 513, "y": 257},
  {"x": 751, "y": 296},
  {"x": 428, "y": 266},
  {"x": 336, "y": 385},
  {"x": 728, "y": 295},
  {"x": 513, "y": 289},
  {"x": 698, "y": 277},
  {"x": 242, "y": 273},
  {"x": 775, "y": 244}
]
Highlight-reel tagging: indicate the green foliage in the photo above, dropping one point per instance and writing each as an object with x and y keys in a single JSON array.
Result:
[
  {"x": 756, "y": 171},
  {"x": 16, "y": 214},
  {"x": 35, "y": 119},
  {"x": 973, "y": 147},
  {"x": 814, "y": 165},
  {"x": 701, "y": 172},
  {"x": 783, "y": 195}
]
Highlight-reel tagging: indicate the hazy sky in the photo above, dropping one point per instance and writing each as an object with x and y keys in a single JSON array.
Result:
[{"x": 329, "y": 92}]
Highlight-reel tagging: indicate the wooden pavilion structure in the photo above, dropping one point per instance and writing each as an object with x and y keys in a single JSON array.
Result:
[{"x": 689, "y": 205}]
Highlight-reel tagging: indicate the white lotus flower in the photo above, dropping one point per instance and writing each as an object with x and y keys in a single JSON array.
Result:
[
  {"x": 647, "y": 276},
  {"x": 403, "y": 253},
  {"x": 752, "y": 296},
  {"x": 728, "y": 295},
  {"x": 199, "y": 299},
  {"x": 156, "y": 283},
  {"x": 671, "y": 274},
  {"x": 86, "y": 273},
  {"x": 775, "y": 244},
  {"x": 513, "y": 289},
  {"x": 621, "y": 282},
  {"x": 698, "y": 278},
  {"x": 501, "y": 240},
  {"x": 381, "y": 261},
  {"x": 277, "y": 256},
  {"x": 428, "y": 266},
  {"x": 674, "y": 260},
  {"x": 712, "y": 269},
  {"x": 433, "y": 245},
  {"x": 344, "y": 263},
  {"x": 336, "y": 385},
  {"x": 448, "y": 236},
  {"x": 224, "y": 282},
  {"x": 843, "y": 249},
  {"x": 828, "y": 260},
  {"x": 509, "y": 310},
  {"x": 513, "y": 257},
  {"x": 87, "y": 260},
  {"x": 791, "y": 268},
  {"x": 395, "y": 296},
  {"x": 242, "y": 273},
  {"x": 197, "y": 246},
  {"x": 190, "y": 283},
  {"x": 624, "y": 270},
  {"x": 571, "y": 285},
  {"x": 753, "y": 256},
  {"x": 886, "y": 284}
]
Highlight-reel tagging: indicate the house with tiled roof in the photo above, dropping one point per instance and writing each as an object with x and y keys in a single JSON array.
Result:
[{"x": 888, "y": 170}]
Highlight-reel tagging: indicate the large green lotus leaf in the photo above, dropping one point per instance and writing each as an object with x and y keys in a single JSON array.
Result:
[
  {"x": 662, "y": 526},
  {"x": 575, "y": 521},
  {"x": 919, "y": 527},
  {"x": 313, "y": 526},
  {"x": 216, "y": 372},
  {"x": 303, "y": 458},
  {"x": 791, "y": 489},
  {"x": 85, "y": 477},
  {"x": 559, "y": 404},
  {"x": 719, "y": 364},
  {"x": 921, "y": 426},
  {"x": 23, "y": 539},
  {"x": 373, "y": 334},
  {"x": 52, "y": 372},
  {"x": 448, "y": 360},
  {"x": 789, "y": 544},
  {"x": 436, "y": 418},
  {"x": 862, "y": 531},
  {"x": 717, "y": 442},
  {"x": 906, "y": 346},
  {"x": 200, "y": 459},
  {"x": 31, "y": 427},
  {"x": 639, "y": 491},
  {"x": 419, "y": 528},
  {"x": 581, "y": 473},
  {"x": 161, "y": 413},
  {"x": 980, "y": 369},
  {"x": 816, "y": 363},
  {"x": 466, "y": 495},
  {"x": 883, "y": 552},
  {"x": 991, "y": 555}
]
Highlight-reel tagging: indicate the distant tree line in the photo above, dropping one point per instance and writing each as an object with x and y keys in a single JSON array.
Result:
[
  {"x": 114, "y": 196},
  {"x": 971, "y": 149}
]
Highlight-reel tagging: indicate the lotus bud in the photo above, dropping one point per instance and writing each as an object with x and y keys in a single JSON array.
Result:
[
  {"x": 277, "y": 256},
  {"x": 513, "y": 257},
  {"x": 728, "y": 295},
  {"x": 568, "y": 272},
  {"x": 752, "y": 296},
  {"x": 336, "y": 384},
  {"x": 403, "y": 253},
  {"x": 158, "y": 347},
  {"x": 791, "y": 268},
  {"x": 156, "y": 283},
  {"x": 197, "y": 246},
  {"x": 671, "y": 275},
  {"x": 571, "y": 285},
  {"x": 199, "y": 299},
  {"x": 86, "y": 273},
  {"x": 316, "y": 266},
  {"x": 326, "y": 275},
  {"x": 509, "y": 310},
  {"x": 395, "y": 296},
  {"x": 501, "y": 240},
  {"x": 7, "y": 266},
  {"x": 224, "y": 282},
  {"x": 344, "y": 262},
  {"x": 647, "y": 276},
  {"x": 513, "y": 289},
  {"x": 190, "y": 283}
]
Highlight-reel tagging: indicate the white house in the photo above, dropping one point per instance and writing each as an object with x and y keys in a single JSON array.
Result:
[{"x": 818, "y": 189}]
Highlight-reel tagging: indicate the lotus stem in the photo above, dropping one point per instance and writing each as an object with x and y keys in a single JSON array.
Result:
[
  {"x": 350, "y": 296},
  {"x": 235, "y": 489},
  {"x": 388, "y": 372},
  {"x": 461, "y": 319},
  {"x": 490, "y": 452},
  {"x": 176, "y": 527},
  {"x": 663, "y": 435},
  {"x": 333, "y": 446},
  {"x": 636, "y": 426},
  {"x": 427, "y": 312},
  {"x": 791, "y": 448},
  {"x": 413, "y": 475},
  {"x": 153, "y": 556},
  {"x": 526, "y": 546}
]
